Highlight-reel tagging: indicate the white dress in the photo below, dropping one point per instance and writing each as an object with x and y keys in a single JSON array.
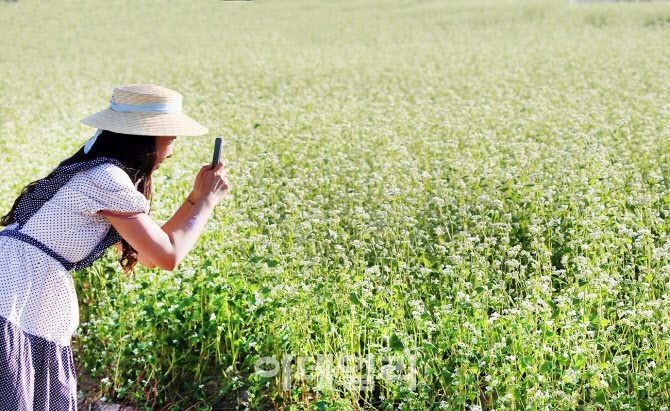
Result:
[{"x": 38, "y": 303}]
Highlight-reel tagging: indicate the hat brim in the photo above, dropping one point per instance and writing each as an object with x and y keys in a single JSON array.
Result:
[{"x": 146, "y": 124}]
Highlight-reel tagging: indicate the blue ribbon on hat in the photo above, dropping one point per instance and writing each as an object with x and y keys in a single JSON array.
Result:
[
  {"x": 161, "y": 108},
  {"x": 90, "y": 142}
]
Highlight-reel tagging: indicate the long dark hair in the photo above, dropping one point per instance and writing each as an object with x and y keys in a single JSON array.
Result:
[{"x": 136, "y": 153}]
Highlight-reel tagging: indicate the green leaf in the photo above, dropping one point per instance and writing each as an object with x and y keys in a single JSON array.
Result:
[
  {"x": 526, "y": 362},
  {"x": 353, "y": 297},
  {"x": 429, "y": 347},
  {"x": 149, "y": 309},
  {"x": 396, "y": 343},
  {"x": 446, "y": 374},
  {"x": 546, "y": 367},
  {"x": 563, "y": 360},
  {"x": 218, "y": 301}
]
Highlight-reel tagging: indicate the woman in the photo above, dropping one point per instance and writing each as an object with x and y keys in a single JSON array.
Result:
[{"x": 97, "y": 198}]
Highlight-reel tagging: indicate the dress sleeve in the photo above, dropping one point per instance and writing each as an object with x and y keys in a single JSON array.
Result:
[{"x": 108, "y": 187}]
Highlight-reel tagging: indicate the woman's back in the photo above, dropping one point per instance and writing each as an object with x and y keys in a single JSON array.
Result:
[{"x": 36, "y": 291}]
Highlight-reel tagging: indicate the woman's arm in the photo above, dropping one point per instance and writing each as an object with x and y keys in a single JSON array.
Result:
[
  {"x": 166, "y": 246},
  {"x": 165, "y": 249},
  {"x": 177, "y": 218}
]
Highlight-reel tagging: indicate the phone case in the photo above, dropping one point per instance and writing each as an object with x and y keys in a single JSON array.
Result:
[{"x": 217, "y": 152}]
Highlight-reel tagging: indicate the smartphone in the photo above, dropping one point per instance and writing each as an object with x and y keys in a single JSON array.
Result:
[{"x": 216, "y": 159}]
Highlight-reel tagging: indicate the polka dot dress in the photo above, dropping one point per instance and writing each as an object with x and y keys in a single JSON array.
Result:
[{"x": 56, "y": 231}]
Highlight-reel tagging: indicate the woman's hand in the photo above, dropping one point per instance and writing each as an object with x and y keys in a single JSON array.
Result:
[{"x": 211, "y": 183}]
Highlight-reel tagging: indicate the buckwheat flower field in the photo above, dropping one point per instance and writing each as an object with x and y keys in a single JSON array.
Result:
[{"x": 457, "y": 205}]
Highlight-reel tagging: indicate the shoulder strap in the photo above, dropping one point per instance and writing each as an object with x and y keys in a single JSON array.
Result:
[{"x": 46, "y": 188}]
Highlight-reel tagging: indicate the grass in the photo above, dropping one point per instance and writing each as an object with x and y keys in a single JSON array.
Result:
[{"x": 480, "y": 186}]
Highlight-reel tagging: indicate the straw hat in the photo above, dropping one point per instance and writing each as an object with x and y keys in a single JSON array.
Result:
[{"x": 146, "y": 110}]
